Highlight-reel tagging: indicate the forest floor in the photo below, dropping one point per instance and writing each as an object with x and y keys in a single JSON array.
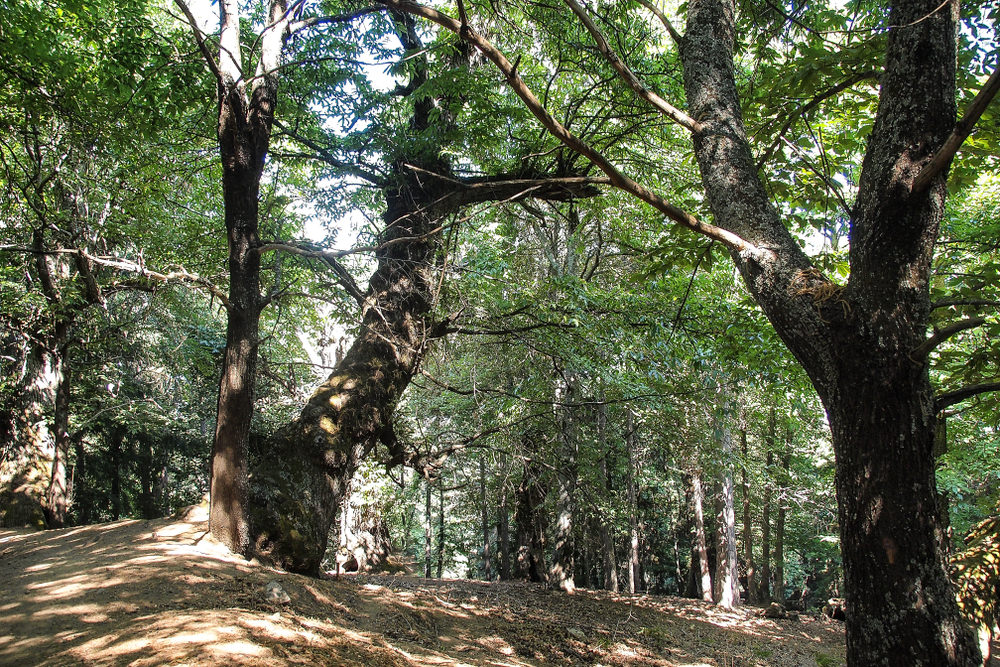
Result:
[{"x": 164, "y": 592}]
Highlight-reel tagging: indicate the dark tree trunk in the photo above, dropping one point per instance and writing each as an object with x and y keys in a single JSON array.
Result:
[
  {"x": 246, "y": 114},
  {"x": 860, "y": 344},
  {"x": 610, "y": 564},
  {"x": 440, "y": 531},
  {"x": 117, "y": 435},
  {"x": 485, "y": 523},
  {"x": 631, "y": 445},
  {"x": 779, "y": 529},
  {"x": 561, "y": 572},
  {"x": 428, "y": 529},
  {"x": 764, "y": 592},
  {"x": 748, "y": 520},
  {"x": 503, "y": 535},
  {"x": 530, "y": 523}
]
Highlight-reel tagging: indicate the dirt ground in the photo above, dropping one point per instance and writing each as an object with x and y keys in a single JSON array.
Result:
[{"x": 165, "y": 593}]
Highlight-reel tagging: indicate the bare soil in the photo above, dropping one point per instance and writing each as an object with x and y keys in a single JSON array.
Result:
[{"x": 165, "y": 593}]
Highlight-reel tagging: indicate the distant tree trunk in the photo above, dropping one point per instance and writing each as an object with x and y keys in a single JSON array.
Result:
[
  {"x": 440, "y": 532},
  {"x": 530, "y": 523},
  {"x": 503, "y": 534},
  {"x": 779, "y": 529},
  {"x": 116, "y": 436},
  {"x": 703, "y": 572},
  {"x": 485, "y": 514},
  {"x": 726, "y": 591},
  {"x": 58, "y": 494},
  {"x": 81, "y": 484},
  {"x": 561, "y": 573},
  {"x": 428, "y": 530},
  {"x": 633, "y": 502},
  {"x": 747, "y": 519},
  {"x": 765, "y": 541},
  {"x": 607, "y": 540}
]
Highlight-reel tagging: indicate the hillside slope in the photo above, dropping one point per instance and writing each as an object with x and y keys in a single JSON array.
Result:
[{"x": 164, "y": 592}]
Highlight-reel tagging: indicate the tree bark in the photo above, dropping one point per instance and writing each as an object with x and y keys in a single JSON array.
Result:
[
  {"x": 440, "y": 531},
  {"x": 633, "y": 503},
  {"x": 703, "y": 573},
  {"x": 727, "y": 591},
  {"x": 530, "y": 524},
  {"x": 609, "y": 561},
  {"x": 764, "y": 593},
  {"x": 428, "y": 529},
  {"x": 779, "y": 529},
  {"x": 485, "y": 516},
  {"x": 246, "y": 116},
  {"x": 503, "y": 534},
  {"x": 748, "y": 519}
]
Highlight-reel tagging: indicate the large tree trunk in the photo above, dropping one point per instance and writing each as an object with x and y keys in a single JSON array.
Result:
[
  {"x": 246, "y": 114},
  {"x": 428, "y": 529},
  {"x": 485, "y": 523},
  {"x": 859, "y": 344},
  {"x": 503, "y": 534},
  {"x": 610, "y": 564}
]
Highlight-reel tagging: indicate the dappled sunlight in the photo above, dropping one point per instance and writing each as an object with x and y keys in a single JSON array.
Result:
[{"x": 155, "y": 592}]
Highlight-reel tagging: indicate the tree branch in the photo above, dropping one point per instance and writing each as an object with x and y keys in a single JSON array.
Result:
[
  {"x": 946, "y": 303},
  {"x": 200, "y": 39},
  {"x": 324, "y": 20},
  {"x": 950, "y": 398},
  {"x": 674, "y": 35},
  {"x": 941, "y": 335},
  {"x": 556, "y": 129},
  {"x": 628, "y": 76},
  {"x": 942, "y": 159}
]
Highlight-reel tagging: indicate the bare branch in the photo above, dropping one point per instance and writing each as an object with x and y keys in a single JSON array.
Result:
[
  {"x": 674, "y": 35},
  {"x": 947, "y": 303},
  {"x": 199, "y": 37},
  {"x": 628, "y": 76},
  {"x": 617, "y": 178},
  {"x": 950, "y": 398},
  {"x": 941, "y": 335},
  {"x": 963, "y": 128},
  {"x": 325, "y": 20}
]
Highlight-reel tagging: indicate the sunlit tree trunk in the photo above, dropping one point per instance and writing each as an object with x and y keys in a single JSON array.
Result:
[
  {"x": 703, "y": 572},
  {"x": 747, "y": 519}
]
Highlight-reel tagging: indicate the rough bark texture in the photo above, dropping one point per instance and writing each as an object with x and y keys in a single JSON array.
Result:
[
  {"x": 779, "y": 531},
  {"x": 561, "y": 572},
  {"x": 855, "y": 342},
  {"x": 764, "y": 590},
  {"x": 530, "y": 524},
  {"x": 633, "y": 503},
  {"x": 246, "y": 115}
]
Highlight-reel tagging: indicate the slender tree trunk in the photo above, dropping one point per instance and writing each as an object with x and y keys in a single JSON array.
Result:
[
  {"x": 727, "y": 592},
  {"x": 440, "y": 532},
  {"x": 607, "y": 540},
  {"x": 703, "y": 573},
  {"x": 779, "y": 529},
  {"x": 747, "y": 519},
  {"x": 631, "y": 446},
  {"x": 58, "y": 494},
  {"x": 561, "y": 573},
  {"x": 765, "y": 541},
  {"x": 428, "y": 530},
  {"x": 503, "y": 534},
  {"x": 117, "y": 435},
  {"x": 485, "y": 515}
]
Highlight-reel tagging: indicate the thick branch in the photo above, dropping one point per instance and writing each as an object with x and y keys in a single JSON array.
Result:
[
  {"x": 963, "y": 128},
  {"x": 325, "y": 20},
  {"x": 941, "y": 335},
  {"x": 950, "y": 398},
  {"x": 617, "y": 178},
  {"x": 628, "y": 76}
]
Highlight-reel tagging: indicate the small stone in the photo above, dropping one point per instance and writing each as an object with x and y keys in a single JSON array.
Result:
[
  {"x": 576, "y": 633},
  {"x": 775, "y": 610},
  {"x": 275, "y": 594}
]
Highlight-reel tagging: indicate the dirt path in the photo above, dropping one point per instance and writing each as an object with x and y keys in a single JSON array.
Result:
[{"x": 164, "y": 592}]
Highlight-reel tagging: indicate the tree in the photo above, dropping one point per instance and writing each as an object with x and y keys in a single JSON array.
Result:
[{"x": 864, "y": 343}]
